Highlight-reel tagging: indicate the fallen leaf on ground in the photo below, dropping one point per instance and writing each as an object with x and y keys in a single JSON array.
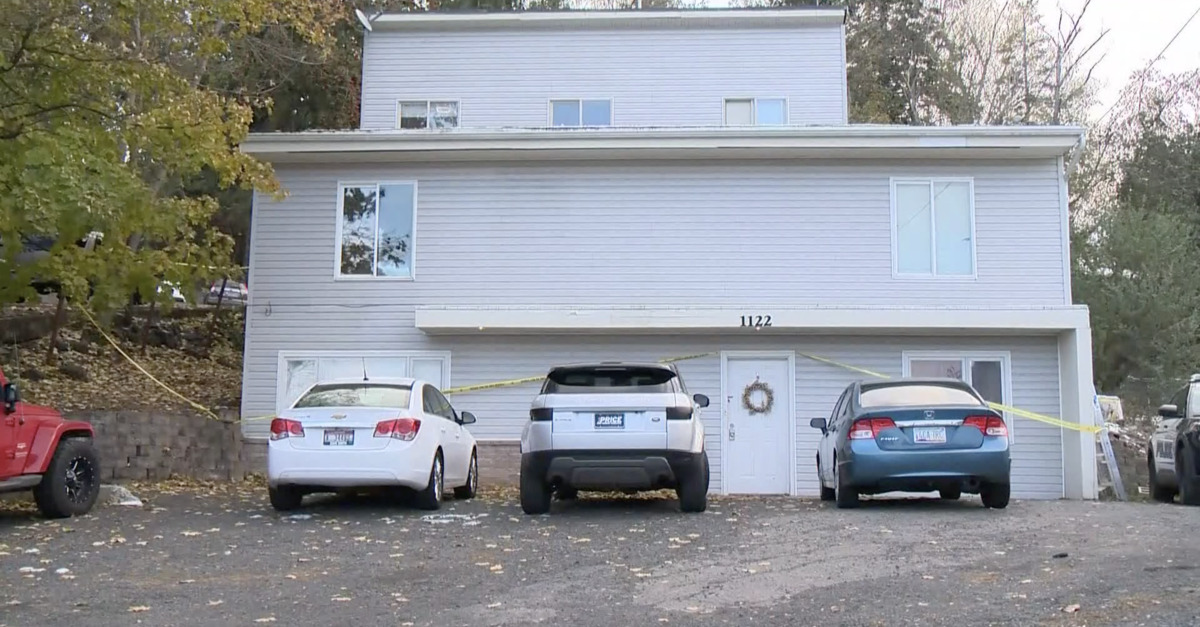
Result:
[
  {"x": 1072, "y": 608},
  {"x": 139, "y": 608}
]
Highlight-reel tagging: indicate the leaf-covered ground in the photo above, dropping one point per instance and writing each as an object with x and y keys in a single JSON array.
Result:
[{"x": 103, "y": 379}]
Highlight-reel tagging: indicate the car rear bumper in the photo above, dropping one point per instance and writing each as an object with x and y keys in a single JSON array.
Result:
[
  {"x": 610, "y": 470},
  {"x": 346, "y": 469},
  {"x": 867, "y": 466}
]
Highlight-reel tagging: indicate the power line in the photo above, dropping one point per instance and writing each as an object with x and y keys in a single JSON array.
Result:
[{"x": 1156, "y": 58}]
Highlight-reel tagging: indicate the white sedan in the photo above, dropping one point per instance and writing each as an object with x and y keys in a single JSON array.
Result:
[{"x": 350, "y": 434}]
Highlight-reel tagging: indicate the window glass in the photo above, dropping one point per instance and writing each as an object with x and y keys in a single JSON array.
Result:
[
  {"x": 987, "y": 377},
  {"x": 952, "y": 210},
  {"x": 770, "y": 111},
  {"x": 429, "y": 370},
  {"x": 358, "y": 229},
  {"x": 1180, "y": 401},
  {"x": 414, "y": 114},
  {"x": 936, "y": 368},
  {"x": 355, "y": 395},
  {"x": 597, "y": 113},
  {"x": 914, "y": 220},
  {"x": 301, "y": 373},
  {"x": 600, "y": 379},
  {"x": 564, "y": 113},
  {"x": 443, "y": 114},
  {"x": 394, "y": 257},
  {"x": 914, "y": 395},
  {"x": 739, "y": 112}
]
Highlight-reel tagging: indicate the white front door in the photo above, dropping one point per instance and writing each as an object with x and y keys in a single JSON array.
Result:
[{"x": 756, "y": 443}]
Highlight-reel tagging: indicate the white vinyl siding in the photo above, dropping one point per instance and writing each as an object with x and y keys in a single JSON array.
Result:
[
  {"x": 375, "y": 235},
  {"x": 933, "y": 227},
  {"x": 655, "y": 76},
  {"x": 298, "y": 370}
]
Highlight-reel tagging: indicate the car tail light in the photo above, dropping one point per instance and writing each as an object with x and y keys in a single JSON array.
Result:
[
  {"x": 541, "y": 414},
  {"x": 398, "y": 428},
  {"x": 988, "y": 425},
  {"x": 679, "y": 413},
  {"x": 284, "y": 428},
  {"x": 868, "y": 428}
]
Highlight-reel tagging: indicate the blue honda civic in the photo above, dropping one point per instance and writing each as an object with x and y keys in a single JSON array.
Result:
[{"x": 913, "y": 435}]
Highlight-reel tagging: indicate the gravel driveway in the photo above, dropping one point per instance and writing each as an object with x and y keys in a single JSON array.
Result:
[{"x": 223, "y": 557}]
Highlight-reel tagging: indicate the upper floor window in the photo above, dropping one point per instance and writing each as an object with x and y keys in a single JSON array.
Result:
[
  {"x": 428, "y": 114},
  {"x": 755, "y": 111},
  {"x": 933, "y": 227},
  {"x": 375, "y": 230},
  {"x": 581, "y": 113}
]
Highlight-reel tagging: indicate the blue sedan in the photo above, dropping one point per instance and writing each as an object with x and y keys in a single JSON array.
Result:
[{"x": 913, "y": 435}]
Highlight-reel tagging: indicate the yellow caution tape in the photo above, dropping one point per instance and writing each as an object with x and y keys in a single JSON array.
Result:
[
  {"x": 1016, "y": 411},
  {"x": 512, "y": 382}
]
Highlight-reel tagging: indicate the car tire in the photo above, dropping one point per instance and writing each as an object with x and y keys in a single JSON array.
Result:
[
  {"x": 469, "y": 490},
  {"x": 430, "y": 497},
  {"x": 566, "y": 494},
  {"x": 995, "y": 495},
  {"x": 693, "y": 486},
  {"x": 950, "y": 494},
  {"x": 535, "y": 492},
  {"x": 1189, "y": 480},
  {"x": 71, "y": 483},
  {"x": 285, "y": 498},
  {"x": 1158, "y": 491},
  {"x": 844, "y": 494}
]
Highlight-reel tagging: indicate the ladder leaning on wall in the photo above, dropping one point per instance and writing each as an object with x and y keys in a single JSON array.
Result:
[{"x": 1111, "y": 476}]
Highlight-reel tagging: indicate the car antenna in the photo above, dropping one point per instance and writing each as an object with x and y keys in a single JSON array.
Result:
[{"x": 364, "y": 363}]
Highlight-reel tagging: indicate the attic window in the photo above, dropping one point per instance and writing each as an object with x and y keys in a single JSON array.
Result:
[
  {"x": 755, "y": 111},
  {"x": 581, "y": 113},
  {"x": 418, "y": 114}
]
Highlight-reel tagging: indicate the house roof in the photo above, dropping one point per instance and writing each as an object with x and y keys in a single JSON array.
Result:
[
  {"x": 784, "y": 142},
  {"x": 792, "y": 17}
]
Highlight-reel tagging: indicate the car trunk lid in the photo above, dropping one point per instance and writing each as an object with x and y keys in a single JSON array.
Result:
[
  {"x": 940, "y": 428},
  {"x": 333, "y": 428},
  {"x": 610, "y": 421}
]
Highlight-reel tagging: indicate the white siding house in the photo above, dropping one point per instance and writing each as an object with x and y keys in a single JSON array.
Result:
[{"x": 533, "y": 189}]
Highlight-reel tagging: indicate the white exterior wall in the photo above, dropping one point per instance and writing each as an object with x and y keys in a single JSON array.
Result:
[{"x": 655, "y": 77}]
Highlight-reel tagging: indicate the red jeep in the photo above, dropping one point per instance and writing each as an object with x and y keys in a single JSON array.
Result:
[{"x": 41, "y": 451}]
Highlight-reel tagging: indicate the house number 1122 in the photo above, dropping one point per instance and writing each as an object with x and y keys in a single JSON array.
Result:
[{"x": 757, "y": 322}]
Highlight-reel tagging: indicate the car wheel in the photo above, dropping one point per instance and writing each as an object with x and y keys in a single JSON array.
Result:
[
  {"x": 693, "y": 486},
  {"x": 994, "y": 495},
  {"x": 1158, "y": 491},
  {"x": 468, "y": 491},
  {"x": 950, "y": 494},
  {"x": 827, "y": 494},
  {"x": 535, "y": 492},
  {"x": 285, "y": 498},
  {"x": 431, "y": 496},
  {"x": 71, "y": 483},
  {"x": 845, "y": 494},
  {"x": 1189, "y": 481}
]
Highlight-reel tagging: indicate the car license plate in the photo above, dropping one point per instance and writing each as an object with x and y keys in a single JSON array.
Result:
[
  {"x": 929, "y": 435},
  {"x": 339, "y": 437},
  {"x": 610, "y": 421}
]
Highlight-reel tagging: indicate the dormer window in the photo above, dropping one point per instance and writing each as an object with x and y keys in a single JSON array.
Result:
[
  {"x": 576, "y": 112},
  {"x": 755, "y": 111},
  {"x": 417, "y": 114}
]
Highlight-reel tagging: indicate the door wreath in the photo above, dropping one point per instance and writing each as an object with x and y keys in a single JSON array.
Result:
[{"x": 768, "y": 398}]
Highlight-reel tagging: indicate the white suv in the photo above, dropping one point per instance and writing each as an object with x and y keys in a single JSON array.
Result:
[{"x": 613, "y": 426}]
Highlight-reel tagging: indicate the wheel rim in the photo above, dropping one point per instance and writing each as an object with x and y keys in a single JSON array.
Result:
[
  {"x": 437, "y": 479},
  {"x": 80, "y": 475},
  {"x": 473, "y": 475}
]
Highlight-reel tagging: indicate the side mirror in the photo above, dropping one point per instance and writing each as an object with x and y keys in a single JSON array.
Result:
[
  {"x": 466, "y": 418},
  {"x": 11, "y": 397},
  {"x": 700, "y": 399},
  {"x": 818, "y": 423},
  {"x": 1168, "y": 411}
]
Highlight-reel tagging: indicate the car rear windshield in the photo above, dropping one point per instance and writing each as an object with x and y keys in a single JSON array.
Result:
[
  {"x": 916, "y": 395},
  {"x": 600, "y": 379},
  {"x": 355, "y": 395}
]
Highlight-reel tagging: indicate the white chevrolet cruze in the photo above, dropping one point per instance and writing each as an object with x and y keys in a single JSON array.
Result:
[{"x": 377, "y": 433}]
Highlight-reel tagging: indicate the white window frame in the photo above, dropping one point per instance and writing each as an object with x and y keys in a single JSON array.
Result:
[
  {"x": 787, "y": 109},
  {"x": 612, "y": 111},
  {"x": 428, "y": 112},
  {"x": 337, "y": 256},
  {"x": 966, "y": 358},
  {"x": 932, "y": 181},
  {"x": 286, "y": 356}
]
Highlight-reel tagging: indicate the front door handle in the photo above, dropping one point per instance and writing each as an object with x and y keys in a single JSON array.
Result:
[{"x": 732, "y": 435}]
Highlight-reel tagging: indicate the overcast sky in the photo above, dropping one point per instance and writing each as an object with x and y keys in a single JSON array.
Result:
[{"x": 1138, "y": 31}]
